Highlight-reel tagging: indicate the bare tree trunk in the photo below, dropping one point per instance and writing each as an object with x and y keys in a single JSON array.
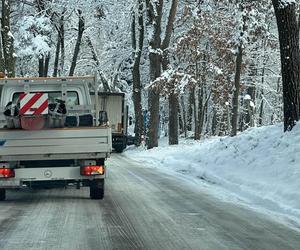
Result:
[
  {"x": 184, "y": 117},
  {"x": 94, "y": 54},
  {"x": 44, "y": 59},
  {"x": 236, "y": 92},
  {"x": 153, "y": 104},
  {"x": 104, "y": 82},
  {"x": 173, "y": 96},
  {"x": 170, "y": 25},
  {"x": 7, "y": 40},
  {"x": 214, "y": 122},
  {"x": 173, "y": 118},
  {"x": 180, "y": 122},
  {"x": 138, "y": 42},
  {"x": 197, "y": 103},
  {"x": 46, "y": 66},
  {"x": 41, "y": 66},
  {"x": 203, "y": 114},
  {"x": 181, "y": 118},
  {"x": 78, "y": 42},
  {"x": 154, "y": 10},
  {"x": 261, "y": 108},
  {"x": 190, "y": 108},
  {"x": 58, "y": 50},
  {"x": 206, "y": 117},
  {"x": 2, "y": 61},
  {"x": 199, "y": 115},
  {"x": 290, "y": 60},
  {"x": 224, "y": 122},
  {"x": 196, "y": 119},
  {"x": 56, "y": 59},
  {"x": 62, "y": 49},
  {"x": 249, "y": 116},
  {"x": 203, "y": 95}
]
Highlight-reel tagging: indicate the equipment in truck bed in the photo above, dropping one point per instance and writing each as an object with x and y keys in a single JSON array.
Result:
[{"x": 32, "y": 112}]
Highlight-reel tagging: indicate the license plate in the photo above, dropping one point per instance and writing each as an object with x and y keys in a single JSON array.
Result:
[{"x": 10, "y": 183}]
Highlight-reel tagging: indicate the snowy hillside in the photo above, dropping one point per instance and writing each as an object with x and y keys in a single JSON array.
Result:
[{"x": 260, "y": 166}]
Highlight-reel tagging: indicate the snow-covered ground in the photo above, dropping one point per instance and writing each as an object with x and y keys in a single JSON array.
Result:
[{"x": 260, "y": 167}]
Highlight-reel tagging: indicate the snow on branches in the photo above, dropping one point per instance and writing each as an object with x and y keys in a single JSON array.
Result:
[
  {"x": 32, "y": 38},
  {"x": 172, "y": 81}
]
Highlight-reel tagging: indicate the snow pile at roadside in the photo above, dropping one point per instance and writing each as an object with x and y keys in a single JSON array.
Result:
[{"x": 260, "y": 165}]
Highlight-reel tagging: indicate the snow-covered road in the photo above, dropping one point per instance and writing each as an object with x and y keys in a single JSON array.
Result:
[{"x": 143, "y": 209}]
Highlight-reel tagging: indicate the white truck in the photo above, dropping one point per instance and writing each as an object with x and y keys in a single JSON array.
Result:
[
  {"x": 39, "y": 149},
  {"x": 117, "y": 111}
]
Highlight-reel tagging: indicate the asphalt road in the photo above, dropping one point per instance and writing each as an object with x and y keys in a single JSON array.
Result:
[{"x": 142, "y": 209}]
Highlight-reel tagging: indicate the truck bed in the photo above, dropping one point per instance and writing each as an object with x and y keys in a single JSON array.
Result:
[{"x": 59, "y": 143}]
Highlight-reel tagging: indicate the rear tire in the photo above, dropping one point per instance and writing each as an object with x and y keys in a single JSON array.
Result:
[
  {"x": 119, "y": 148},
  {"x": 2, "y": 194},
  {"x": 97, "y": 189}
]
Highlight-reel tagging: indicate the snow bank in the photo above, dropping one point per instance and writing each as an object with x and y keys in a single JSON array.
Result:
[{"x": 261, "y": 166}]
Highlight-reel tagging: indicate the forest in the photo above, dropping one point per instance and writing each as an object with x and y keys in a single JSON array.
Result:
[{"x": 189, "y": 68}]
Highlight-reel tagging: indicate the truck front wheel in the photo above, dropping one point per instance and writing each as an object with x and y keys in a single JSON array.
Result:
[
  {"x": 2, "y": 194},
  {"x": 97, "y": 189}
]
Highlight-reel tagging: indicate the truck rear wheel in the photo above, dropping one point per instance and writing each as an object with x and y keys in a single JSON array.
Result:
[
  {"x": 2, "y": 194},
  {"x": 119, "y": 148},
  {"x": 97, "y": 189}
]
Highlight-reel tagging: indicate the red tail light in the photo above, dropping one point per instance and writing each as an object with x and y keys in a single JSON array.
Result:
[
  {"x": 92, "y": 170},
  {"x": 7, "y": 173}
]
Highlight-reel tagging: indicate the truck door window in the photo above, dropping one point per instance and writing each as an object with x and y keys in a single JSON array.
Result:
[{"x": 72, "y": 97}]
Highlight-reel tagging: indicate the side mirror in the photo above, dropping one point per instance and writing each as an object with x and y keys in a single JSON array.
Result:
[{"x": 103, "y": 118}]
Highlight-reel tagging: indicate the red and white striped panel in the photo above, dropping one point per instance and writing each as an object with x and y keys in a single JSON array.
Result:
[{"x": 34, "y": 104}]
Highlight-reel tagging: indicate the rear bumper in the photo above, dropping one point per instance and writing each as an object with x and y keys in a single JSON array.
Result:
[{"x": 28, "y": 176}]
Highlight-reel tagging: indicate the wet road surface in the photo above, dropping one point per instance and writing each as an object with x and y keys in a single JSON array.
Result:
[{"x": 142, "y": 209}]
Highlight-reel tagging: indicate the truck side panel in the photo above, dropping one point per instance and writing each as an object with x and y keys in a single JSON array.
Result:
[{"x": 68, "y": 141}]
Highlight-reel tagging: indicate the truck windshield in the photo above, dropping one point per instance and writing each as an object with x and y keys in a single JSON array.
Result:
[{"x": 72, "y": 97}]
